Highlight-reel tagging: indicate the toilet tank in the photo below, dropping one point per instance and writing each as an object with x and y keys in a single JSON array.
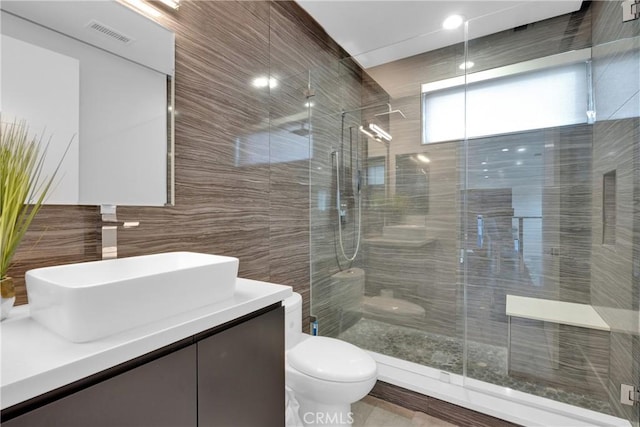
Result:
[{"x": 292, "y": 320}]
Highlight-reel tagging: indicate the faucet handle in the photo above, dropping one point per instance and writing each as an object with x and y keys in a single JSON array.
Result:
[
  {"x": 109, "y": 216},
  {"x": 109, "y": 231},
  {"x": 108, "y": 213}
]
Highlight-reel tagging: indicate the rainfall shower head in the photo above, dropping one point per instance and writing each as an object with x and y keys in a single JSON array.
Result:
[
  {"x": 376, "y": 132},
  {"x": 388, "y": 113},
  {"x": 303, "y": 131}
]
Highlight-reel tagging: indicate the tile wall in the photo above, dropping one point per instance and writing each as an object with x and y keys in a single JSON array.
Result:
[
  {"x": 574, "y": 264},
  {"x": 615, "y": 279},
  {"x": 253, "y": 205},
  {"x": 259, "y": 210}
]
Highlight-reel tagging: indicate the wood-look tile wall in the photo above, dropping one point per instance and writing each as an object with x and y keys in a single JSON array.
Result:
[
  {"x": 340, "y": 92},
  {"x": 258, "y": 210},
  {"x": 440, "y": 291},
  {"x": 615, "y": 281},
  {"x": 565, "y": 175},
  {"x": 435, "y": 407},
  {"x": 580, "y": 268}
]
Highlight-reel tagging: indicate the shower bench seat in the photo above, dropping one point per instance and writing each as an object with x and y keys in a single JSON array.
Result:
[
  {"x": 560, "y": 312},
  {"x": 565, "y": 313}
]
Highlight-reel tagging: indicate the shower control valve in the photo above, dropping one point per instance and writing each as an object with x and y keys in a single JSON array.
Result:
[{"x": 343, "y": 212}]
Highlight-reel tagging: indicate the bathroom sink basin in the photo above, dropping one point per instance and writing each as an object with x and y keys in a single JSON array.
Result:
[
  {"x": 88, "y": 301},
  {"x": 404, "y": 232}
]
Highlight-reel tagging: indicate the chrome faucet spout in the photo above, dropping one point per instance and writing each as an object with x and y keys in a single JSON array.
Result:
[{"x": 109, "y": 231}]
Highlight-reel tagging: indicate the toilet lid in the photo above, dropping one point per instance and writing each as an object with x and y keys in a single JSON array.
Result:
[{"x": 332, "y": 360}]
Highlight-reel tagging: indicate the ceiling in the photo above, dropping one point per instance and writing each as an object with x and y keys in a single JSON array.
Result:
[
  {"x": 378, "y": 32},
  {"x": 149, "y": 43}
]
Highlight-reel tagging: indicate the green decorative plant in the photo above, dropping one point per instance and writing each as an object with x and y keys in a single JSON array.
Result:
[{"x": 23, "y": 189}]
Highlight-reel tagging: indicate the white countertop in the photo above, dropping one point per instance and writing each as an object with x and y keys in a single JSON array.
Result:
[
  {"x": 566, "y": 313},
  {"x": 35, "y": 361}
]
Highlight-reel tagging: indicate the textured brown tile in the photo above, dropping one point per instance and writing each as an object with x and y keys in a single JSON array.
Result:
[
  {"x": 434, "y": 407},
  {"x": 251, "y": 199},
  {"x": 564, "y": 33},
  {"x": 298, "y": 43},
  {"x": 563, "y": 168},
  {"x": 226, "y": 203},
  {"x": 608, "y": 25},
  {"x": 58, "y": 235}
]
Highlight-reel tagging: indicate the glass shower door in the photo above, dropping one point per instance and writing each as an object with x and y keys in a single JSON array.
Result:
[
  {"x": 550, "y": 210},
  {"x": 615, "y": 276},
  {"x": 400, "y": 296}
]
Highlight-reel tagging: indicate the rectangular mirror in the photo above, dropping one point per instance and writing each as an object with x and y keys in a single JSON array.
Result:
[{"x": 95, "y": 77}]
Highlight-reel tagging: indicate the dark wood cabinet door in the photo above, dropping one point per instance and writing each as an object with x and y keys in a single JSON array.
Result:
[
  {"x": 241, "y": 374},
  {"x": 161, "y": 393}
]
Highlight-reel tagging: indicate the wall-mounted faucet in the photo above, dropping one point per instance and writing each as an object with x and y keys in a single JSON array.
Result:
[{"x": 109, "y": 231}]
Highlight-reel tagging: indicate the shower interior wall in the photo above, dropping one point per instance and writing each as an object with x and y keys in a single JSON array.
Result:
[
  {"x": 440, "y": 292},
  {"x": 564, "y": 181},
  {"x": 615, "y": 279},
  {"x": 339, "y": 88}
]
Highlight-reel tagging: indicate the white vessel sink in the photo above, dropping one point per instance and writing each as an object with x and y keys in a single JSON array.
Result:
[
  {"x": 404, "y": 232},
  {"x": 88, "y": 301}
]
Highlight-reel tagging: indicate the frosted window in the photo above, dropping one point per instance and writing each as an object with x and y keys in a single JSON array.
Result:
[
  {"x": 376, "y": 175},
  {"x": 535, "y": 100}
]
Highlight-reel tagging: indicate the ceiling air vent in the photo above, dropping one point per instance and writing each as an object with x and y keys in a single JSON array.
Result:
[{"x": 107, "y": 31}]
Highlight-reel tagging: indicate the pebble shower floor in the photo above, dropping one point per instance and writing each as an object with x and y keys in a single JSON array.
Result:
[{"x": 445, "y": 353}]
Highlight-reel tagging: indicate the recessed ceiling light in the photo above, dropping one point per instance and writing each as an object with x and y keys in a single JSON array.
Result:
[
  {"x": 452, "y": 22},
  {"x": 519, "y": 163},
  {"x": 485, "y": 170},
  {"x": 486, "y": 177},
  {"x": 466, "y": 65},
  {"x": 174, "y": 4},
  {"x": 261, "y": 82},
  {"x": 483, "y": 163},
  {"x": 143, "y": 7},
  {"x": 521, "y": 149},
  {"x": 505, "y": 150}
]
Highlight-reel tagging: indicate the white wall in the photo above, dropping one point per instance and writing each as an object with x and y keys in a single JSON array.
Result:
[{"x": 43, "y": 88}]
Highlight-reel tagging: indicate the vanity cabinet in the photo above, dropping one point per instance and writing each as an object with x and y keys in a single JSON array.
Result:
[
  {"x": 229, "y": 375},
  {"x": 241, "y": 374},
  {"x": 159, "y": 393}
]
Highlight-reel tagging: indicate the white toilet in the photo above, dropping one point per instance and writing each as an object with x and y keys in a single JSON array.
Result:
[{"x": 326, "y": 375}]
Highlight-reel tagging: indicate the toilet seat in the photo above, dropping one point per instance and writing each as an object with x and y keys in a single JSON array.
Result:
[{"x": 330, "y": 359}]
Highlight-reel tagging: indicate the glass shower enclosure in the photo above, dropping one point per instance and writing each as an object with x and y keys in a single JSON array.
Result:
[{"x": 474, "y": 209}]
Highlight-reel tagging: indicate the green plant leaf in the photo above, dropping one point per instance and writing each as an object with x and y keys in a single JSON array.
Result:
[{"x": 22, "y": 187}]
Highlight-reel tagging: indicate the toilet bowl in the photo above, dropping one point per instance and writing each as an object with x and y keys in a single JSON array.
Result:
[{"x": 326, "y": 375}]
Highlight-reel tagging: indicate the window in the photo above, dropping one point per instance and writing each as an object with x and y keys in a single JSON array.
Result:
[
  {"x": 376, "y": 175},
  {"x": 542, "y": 93}
]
